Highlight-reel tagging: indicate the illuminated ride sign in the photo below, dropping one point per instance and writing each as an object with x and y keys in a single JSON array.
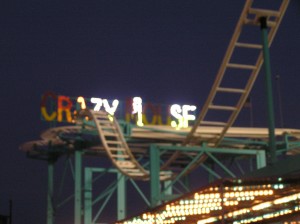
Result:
[{"x": 62, "y": 109}]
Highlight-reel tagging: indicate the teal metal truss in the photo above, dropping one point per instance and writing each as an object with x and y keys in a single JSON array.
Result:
[
  {"x": 158, "y": 195},
  {"x": 89, "y": 206}
]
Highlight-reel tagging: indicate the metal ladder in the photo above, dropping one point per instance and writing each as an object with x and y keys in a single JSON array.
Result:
[
  {"x": 250, "y": 17},
  {"x": 117, "y": 149}
]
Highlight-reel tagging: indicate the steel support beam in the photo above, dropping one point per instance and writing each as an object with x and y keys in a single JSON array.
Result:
[
  {"x": 269, "y": 92},
  {"x": 88, "y": 181},
  {"x": 154, "y": 176},
  {"x": 210, "y": 171},
  {"x": 261, "y": 159},
  {"x": 88, "y": 189},
  {"x": 50, "y": 205},
  {"x": 121, "y": 194},
  {"x": 260, "y": 156},
  {"x": 220, "y": 164},
  {"x": 185, "y": 170},
  {"x": 209, "y": 149},
  {"x": 137, "y": 188},
  {"x": 168, "y": 190},
  {"x": 78, "y": 189}
]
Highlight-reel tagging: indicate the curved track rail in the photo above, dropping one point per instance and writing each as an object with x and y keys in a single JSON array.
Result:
[
  {"x": 228, "y": 112},
  {"x": 250, "y": 17},
  {"x": 111, "y": 136},
  {"x": 116, "y": 146}
]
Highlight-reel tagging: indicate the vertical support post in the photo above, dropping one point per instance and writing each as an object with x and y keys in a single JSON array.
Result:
[
  {"x": 121, "y": 194},
  {"x": 50, "y": 209},
  {"x": 168, "y": 190},
  {"x": 154, "y": 176},
  {"x": 78, "y": 190},
  {"x": 88, "y": 181},
  {"x": 260, "y": 159},
  {"x": 267, "y": 65},
  {"x": 211, "y": 177}
]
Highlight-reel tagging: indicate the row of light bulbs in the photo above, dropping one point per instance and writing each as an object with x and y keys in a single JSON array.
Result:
[{"x": 204, "y": 203}]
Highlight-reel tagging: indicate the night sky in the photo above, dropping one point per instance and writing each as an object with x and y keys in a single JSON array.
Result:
[{"x": 165, "y": 51}]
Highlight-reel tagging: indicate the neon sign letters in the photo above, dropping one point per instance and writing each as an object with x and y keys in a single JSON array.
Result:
[{"x": 62, "y": 108}]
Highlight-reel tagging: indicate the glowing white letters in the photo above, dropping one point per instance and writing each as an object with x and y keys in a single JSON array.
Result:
[
  {"x": 81, "y": 101},
  {"x": 98, "y": 102},
  {"x": 137, "y": 108},
  {"x": 176, "y": 111},
  {"x": 182, "y": 115},
  {"x": 109, "y": 109},
  {"x": 186, "y": 116}
]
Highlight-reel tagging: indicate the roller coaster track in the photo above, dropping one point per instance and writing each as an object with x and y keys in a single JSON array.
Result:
[
  {"x": 246, "y": 19},
  {"x": 116, "y": 146},
  {"x": 250, "y": 17},
  {"x": 111, "y": 136}
]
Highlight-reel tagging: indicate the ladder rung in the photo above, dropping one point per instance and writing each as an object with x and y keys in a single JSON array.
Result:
[
  {"x": 220, "y": 107},
  {"x": 104, "y": 118},
  {"x": 110, "y": 134},
  {"x": 271, "y": 23},
  {"x": 114, "y": 142},
  {"x": 230, "y": 90},
  {"x": 125, "y": 164},
  {"x": 215, "y": 123},
  {"x": 101, "y": 115},
  {"x": 165, "y": 173},
  {"x": 108, "y": 127},
  {"x": 241, "y": 66},
  {"x": 256, "y": 23},
  {"x": 163, "y": 177},
  {"x": 116, "y": 149},
  {"x": 119, "y": 156},
  {"x": 131, "y": 171},
  {"x": 264, "y": 12},
  {"x": 247, "y": 45},
  {"x": 136, "y": 174},
  {"x": 104, "y": 121},
  {"x": 99, "y": 112}
]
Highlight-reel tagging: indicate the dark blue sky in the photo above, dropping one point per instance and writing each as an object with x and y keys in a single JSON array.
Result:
[{"x": 164, "y": 51}]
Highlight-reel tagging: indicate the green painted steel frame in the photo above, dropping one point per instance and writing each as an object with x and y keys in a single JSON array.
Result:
[
  {"x": 83, "y": 214},
  {"x": 158, "y": 192},
  {"x": 154, "y": 176},
  {"x": 78, "y": 188},
  {"x": 88, "y": 202},
  {"x": 50, "y": 206},
  {"x": 269, "y": 92},
  {"x": 157, "y": 195},
  {"x": 140, "y": 192}
]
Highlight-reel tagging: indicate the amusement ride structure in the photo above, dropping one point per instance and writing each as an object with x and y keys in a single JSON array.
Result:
[{"x": 164, "y": 156}]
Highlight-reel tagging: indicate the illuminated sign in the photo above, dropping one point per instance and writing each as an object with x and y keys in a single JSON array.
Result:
[{"x": 62, "y": 109}]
